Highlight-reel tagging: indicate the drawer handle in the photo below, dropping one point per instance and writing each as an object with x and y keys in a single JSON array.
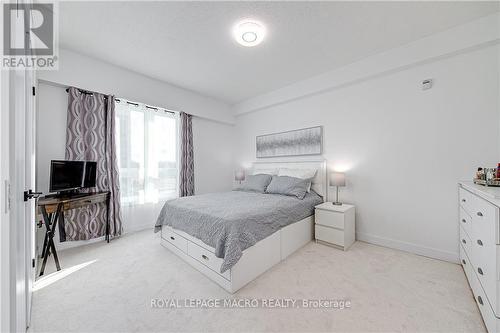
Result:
[
  {"x": 204, "y": 257},
  {"x": 464, "y": 221},
  {"x": 479, "y": 214},
  {"x": 464, "y": 262},
  {"x": 480, "y": 300},
  {"x": 172, "y": 237},
  {"x": 463, "y": 241},
  {"x": 480, "y": 242},
  {"x": 480, "y": 271}
]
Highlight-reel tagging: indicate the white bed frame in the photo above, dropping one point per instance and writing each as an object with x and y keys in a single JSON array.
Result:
[{"x": 258, "y": 258}]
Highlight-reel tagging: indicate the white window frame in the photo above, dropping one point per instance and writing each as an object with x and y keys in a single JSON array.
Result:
[{"x": 176, "y": 116}]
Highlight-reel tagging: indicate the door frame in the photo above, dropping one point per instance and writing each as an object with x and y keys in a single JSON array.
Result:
[{"x": 5, "y": 205}]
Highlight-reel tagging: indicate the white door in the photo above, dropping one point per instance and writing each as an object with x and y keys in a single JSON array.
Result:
[
  {"x": 18, "y": 185},
  {"x": 22, "y": 225},
  {"x": 17, "y": 170}
]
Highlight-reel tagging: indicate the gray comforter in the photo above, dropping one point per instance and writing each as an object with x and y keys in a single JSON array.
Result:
[{"x": 233, "y": 221}]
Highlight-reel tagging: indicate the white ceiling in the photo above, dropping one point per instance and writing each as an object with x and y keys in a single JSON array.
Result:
[{"x": 189, "y": 44}]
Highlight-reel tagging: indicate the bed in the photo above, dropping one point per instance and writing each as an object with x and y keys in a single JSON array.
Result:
[{"x": 233, "y": 237}]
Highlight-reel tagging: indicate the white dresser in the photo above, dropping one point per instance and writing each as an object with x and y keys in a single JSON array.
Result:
[{"x": 479, "y": 247}]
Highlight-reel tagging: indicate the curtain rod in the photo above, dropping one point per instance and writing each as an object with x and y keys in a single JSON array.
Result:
[
  {"x": 147, "y": 106},
  {"x": 83, "y": 91},
  {"x": 86, "y": 92}
]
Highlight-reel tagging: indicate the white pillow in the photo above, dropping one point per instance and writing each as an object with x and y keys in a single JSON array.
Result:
[
  {"x": 272, "y": 172},
  {"x": 299, "y": 173}
]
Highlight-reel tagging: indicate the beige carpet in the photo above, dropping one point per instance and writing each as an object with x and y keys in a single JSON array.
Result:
[{"x": 109, "y": 287}]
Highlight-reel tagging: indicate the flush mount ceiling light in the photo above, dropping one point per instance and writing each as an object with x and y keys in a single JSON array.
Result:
[{"x": 249, "y": 32}]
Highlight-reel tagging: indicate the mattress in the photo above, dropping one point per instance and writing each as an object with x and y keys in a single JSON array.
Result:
[{"x": 231, "y": 222}]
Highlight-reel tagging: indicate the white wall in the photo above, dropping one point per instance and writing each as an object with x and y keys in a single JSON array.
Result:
[
  {"x": 92, "y": 74},
  {"x": 213, "y": 156},
  {"x": 212, "y": 124},
  {"x": 403, "y": 149},
  {"x": 51, "y": 131}
]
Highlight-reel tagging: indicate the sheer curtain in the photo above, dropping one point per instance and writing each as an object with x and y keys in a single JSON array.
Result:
[{"x": 147, "y": 149}]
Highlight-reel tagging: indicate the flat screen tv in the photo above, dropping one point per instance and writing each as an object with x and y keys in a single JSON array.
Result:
[{"x": 71, "y": 175}]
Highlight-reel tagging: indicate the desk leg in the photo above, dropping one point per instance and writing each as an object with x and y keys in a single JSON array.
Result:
[
  {"x": 62, "y": 230},
  {"x": 49, "y": 234},
  {"x": 46, "y": 238},
  {"x": 107, "y": 218}
]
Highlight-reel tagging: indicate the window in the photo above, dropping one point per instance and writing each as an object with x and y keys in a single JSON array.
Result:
[{"x": 147, "y": 153}]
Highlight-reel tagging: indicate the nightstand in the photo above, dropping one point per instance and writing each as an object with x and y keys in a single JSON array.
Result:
[{"x": 335, "y": 225}]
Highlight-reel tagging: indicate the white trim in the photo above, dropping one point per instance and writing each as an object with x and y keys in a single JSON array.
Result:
[
  {"x": 5, "y": 273},
  {"x": 430, "y": 252},
  {"x": 480, "y": 33},
  {"x": 72, "y": 244}
]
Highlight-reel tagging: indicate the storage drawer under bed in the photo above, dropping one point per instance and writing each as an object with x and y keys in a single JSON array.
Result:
[
  {"x": 173, "y": 238},
  {"x": 207, "y": 258}
]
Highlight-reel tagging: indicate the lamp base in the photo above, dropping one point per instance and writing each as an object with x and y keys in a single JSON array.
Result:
[{"x": 336, "y": 203}]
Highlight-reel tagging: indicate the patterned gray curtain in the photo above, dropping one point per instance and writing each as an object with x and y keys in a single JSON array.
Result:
[
  {"x": 186, "y": 181},
  {"x": 90, "y": 136}
]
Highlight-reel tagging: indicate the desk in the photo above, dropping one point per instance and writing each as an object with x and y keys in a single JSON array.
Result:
[{"x": 52, "y": 210}]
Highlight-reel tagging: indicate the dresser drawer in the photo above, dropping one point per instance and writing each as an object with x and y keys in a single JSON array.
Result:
[
  {"x": 466, "y": 243},
  {"x": 484, "y": 221},
  {"x": 465, "y": 221},
  {"x": 329, "y": 218},
  {"x": 484, "y": 306},
  {"x": 465, "y": 198},
  {"x": 170, "y": 236},
  {"x": 466, "y": 264},
  {"x": 208, "y": 259},
  {"x": 484, "y": 265},
  {"x": 329, "y": 235}
]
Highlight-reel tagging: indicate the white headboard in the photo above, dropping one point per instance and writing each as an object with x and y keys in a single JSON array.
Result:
[{"x": 319, "y": 183}]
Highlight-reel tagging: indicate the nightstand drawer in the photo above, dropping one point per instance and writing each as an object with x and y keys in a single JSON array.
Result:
[
  {"x": 329, "y": 235},
  {"x": 329, "y": 218}
]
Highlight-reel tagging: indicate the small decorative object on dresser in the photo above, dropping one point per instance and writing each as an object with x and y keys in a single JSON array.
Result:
[
  {"x": 335, "y": 224},
  {"x": 479, "y": 222},
  {"x": 488, "y": 176}
]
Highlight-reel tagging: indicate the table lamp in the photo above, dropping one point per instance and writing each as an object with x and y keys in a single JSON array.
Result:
[
  {"x": 239, "y": 175},
  {"x": 337, "y": 179}
]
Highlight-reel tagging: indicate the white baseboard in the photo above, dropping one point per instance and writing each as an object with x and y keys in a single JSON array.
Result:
[
  {"x": 409, "y": 247},
  {"x": 73, "y": 244}
]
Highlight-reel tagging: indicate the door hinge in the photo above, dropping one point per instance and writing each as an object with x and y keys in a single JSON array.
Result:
[
  {"x": 34, "y": 91},
  {"x": 33, "y": 262}
]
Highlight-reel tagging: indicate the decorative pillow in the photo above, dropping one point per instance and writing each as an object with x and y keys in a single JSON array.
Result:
[
  {"x": 299, "y": 173},
  {"x": 255, "y": 183},
  {"x": 288, "y": 186},
  {"x": 271, "y": 172}
]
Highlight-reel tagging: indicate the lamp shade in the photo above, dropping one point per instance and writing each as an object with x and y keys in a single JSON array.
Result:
[
  {"x": 239, "y": 175},
  {"x": 337, "y": 179}
]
